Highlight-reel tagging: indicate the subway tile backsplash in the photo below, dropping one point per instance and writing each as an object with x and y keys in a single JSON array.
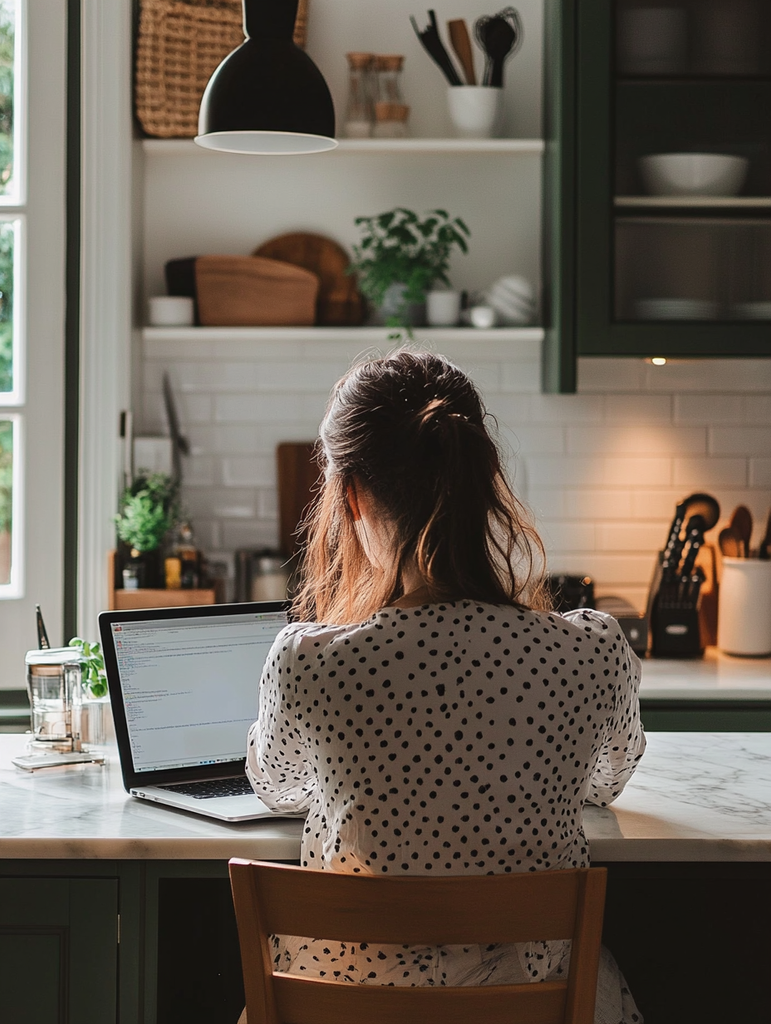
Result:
[{"x": 601, "y": 470}]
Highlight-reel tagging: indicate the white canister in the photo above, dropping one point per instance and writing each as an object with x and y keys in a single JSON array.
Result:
[
  {"x": 171, "y": 311},
  {"x": 442, "y": 308},
  {"x": 475, "y": 110},
  {"x": 744, "y": 613}
]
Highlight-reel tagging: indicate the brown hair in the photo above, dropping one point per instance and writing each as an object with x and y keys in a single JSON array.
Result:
[{"x": 411, "y": 428}]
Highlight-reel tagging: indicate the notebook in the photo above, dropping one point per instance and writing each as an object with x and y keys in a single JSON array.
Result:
[{"x": 184, "y": 686}]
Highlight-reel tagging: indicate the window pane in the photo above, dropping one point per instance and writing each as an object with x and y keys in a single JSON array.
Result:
[
  {"x": 7, "y": 238},
  {"x": 6, "y": 499},
  {"x": 7, "y": 88}
]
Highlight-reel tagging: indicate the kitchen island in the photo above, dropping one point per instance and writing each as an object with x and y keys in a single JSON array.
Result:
[{"x": 82, "y": 865}]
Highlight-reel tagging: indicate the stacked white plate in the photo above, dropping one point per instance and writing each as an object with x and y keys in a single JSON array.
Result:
[
  {"x": 513, "y": 299},
  {"x": 752, "y": 310},
  {"x": 676, "y": 309}
]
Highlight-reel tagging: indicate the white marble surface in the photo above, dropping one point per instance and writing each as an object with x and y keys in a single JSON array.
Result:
[
  {"x": 694, "y": 797},
  {"x": 716, "y": 676}
]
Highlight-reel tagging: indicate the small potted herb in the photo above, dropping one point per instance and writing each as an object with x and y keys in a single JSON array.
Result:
[
  {"x": 149, "y": 511},
  {"x": 402, "y": 256},
  {"x": 95, "y": 703}
]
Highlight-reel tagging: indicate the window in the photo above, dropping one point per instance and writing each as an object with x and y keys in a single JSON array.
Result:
[
  {"x": 33, "y": 183},
  {"x": 12, "y": 341}
]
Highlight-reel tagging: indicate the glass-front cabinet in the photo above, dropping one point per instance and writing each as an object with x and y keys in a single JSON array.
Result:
[{"x": 662, "y": 129}]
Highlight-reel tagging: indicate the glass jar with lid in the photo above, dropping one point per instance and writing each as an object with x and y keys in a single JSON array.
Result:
[
  {"x": 359, "y": 113},
  {"x": 391, "y": 112}
]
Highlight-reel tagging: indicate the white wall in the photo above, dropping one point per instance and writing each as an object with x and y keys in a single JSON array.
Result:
[{"x": 602, "y": 470}]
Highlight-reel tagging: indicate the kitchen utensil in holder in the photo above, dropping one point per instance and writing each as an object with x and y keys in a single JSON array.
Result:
[{"x": 54, "y": 684}]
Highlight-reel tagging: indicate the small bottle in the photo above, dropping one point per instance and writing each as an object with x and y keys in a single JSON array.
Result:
[
  {"x": 187, "y": 553},
  {"x": 359, "y": 114},
  {"x": 391, "y": 112},
  {"x": 134, "y": 571}
]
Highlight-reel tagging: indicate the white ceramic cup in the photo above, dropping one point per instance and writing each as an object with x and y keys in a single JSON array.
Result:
[
  {"x": 442, "y": 308},
  {"x": 744, "y": 612},
  {"x": 475, "y": 110},
  {"x": 171, "y": 311},
  {"x": 482, "y": 316}
]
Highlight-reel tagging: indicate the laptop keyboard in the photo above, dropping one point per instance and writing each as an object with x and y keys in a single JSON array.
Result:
[{"x": 210, "y": 788}]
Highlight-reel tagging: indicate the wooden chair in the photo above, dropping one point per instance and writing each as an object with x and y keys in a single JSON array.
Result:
[{"x": 275, "y": 899}]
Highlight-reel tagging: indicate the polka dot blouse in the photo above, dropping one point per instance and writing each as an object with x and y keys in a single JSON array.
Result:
[
  {"x": 457, "y": 738},
  {"x": 453, "y": 738}
]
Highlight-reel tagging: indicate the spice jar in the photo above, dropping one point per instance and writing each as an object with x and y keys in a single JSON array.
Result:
[
  {"x": 391, "y": 112},
  {"x": 359, "y": 114}
]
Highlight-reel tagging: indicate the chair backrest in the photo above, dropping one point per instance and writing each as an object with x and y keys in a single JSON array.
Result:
[{"x": 273, "y": 899}]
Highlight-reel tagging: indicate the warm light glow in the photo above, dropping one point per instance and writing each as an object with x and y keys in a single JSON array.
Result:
[{"x": 658, "y": 361}]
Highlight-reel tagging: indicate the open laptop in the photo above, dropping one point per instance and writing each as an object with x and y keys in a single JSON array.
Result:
[{"x": 184, "y": 688}]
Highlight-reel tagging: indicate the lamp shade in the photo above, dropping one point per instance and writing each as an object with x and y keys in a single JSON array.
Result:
[{"x": 267, "y": 96}]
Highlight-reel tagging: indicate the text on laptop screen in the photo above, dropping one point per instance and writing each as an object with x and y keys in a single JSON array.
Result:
[{"x": 190, "y": 686}]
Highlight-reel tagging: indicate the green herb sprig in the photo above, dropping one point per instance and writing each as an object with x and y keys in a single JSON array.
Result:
[{"x": 94, "y": 675}]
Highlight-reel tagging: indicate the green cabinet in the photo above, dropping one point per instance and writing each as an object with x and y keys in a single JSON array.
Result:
[
  {"x": 657, "y": 181},
  {"x": 58, "y": 950}
]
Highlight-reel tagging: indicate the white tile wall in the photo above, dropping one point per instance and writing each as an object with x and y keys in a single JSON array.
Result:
[{"x": 601, "y": 470}]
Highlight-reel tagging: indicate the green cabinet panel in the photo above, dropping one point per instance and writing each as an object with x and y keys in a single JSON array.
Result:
[
  {"x": 58, "y": 950},
  {"x": 706, "y": 716}
]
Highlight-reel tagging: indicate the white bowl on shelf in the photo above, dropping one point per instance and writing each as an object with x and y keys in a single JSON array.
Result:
[{"x": 693, "y": 174}]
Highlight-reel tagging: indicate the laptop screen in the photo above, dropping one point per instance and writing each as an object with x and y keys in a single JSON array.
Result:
[{"x": 189, "y": 684}]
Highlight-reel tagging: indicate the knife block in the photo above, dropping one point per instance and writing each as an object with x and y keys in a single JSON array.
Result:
[{"x": 673, "y": 626}]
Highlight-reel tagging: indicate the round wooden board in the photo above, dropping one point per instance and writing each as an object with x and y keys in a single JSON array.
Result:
[{"x": 340, "y": 303}]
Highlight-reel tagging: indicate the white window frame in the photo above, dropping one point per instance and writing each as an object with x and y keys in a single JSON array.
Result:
[{"x": 13, "y": 211}]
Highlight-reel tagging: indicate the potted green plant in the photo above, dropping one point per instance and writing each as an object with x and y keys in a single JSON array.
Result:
[
  {"x": 402, "y": 256},
  {"x": 149, "y": 511}
]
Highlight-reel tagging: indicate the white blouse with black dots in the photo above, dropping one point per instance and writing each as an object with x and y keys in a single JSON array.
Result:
[{"x": 457, "y": 738}]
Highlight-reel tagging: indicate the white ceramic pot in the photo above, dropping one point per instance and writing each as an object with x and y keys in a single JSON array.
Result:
[
  {"x": 171, "y": 311},
  {"x": 744, "y": 614},
  {"x": 475, "y": 110},
  {"x": 443, "y": 308}
]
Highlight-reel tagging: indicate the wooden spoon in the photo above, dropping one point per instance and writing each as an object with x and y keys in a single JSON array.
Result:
[
  {"x": 764, "y": 551},
  {"x": 461, "y": 43},
  {"x": 741, "y": 524},
  {"x": 730, "y": 543}
]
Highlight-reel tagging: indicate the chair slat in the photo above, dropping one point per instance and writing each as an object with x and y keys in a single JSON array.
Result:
[
  {"x": 302, "y": 1001},
  {"x": 476, "y": 909}
]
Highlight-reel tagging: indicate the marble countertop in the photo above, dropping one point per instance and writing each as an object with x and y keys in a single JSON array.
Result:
[
  {"x": 694, "y": 797},
  {"x": 714, "y": 677}
]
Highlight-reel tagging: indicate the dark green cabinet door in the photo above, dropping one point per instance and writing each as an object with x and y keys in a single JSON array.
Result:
[
  {"x": 58, "y": 950},
  {"x": 629, "y": 271}
]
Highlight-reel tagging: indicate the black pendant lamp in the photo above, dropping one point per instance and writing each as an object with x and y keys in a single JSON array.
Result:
[{"x": 267, "y": 96}]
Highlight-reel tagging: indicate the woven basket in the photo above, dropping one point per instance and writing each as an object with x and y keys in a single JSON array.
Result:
[{"x": 180, "y": 43}]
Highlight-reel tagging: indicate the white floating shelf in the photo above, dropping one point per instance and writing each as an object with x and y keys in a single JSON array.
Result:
[
  {"x": 534, "y": 147},
  {"x": 359, "y": 335},
  {"x": 700, "y": 202}
]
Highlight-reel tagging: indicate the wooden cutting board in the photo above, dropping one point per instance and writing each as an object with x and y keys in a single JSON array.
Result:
[
  {"x": 298, "y": 474},
  {"x": 339, "y": 304},
  {"x": 244, "y": 291}
]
